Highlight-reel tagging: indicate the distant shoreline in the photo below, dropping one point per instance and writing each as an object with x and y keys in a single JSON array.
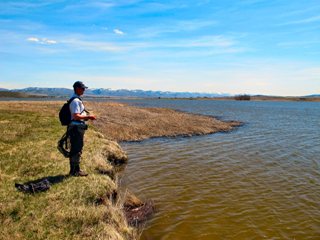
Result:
[
  {"x": 11, "y": 96},
  {"x": 268, "y": 98}
]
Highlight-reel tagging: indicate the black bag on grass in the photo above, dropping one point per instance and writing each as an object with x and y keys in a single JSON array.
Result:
[{"x": 34, "y": 187}]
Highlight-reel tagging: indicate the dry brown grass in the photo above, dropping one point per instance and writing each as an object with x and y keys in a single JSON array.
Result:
[
  {"x": 69, "y": 210},
  {"x": 121, "y": 122}
]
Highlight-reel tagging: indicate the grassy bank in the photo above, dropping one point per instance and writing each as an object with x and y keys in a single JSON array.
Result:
[
  {"x": 69, "y": 210},
  {"x": 75, "y": 208}
]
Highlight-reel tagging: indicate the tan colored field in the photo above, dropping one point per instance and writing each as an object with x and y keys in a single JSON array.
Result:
[{"x": 121, "y": 122}]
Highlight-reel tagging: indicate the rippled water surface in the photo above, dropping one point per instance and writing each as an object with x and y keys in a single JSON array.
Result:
[{"x": 260, "y": 181}]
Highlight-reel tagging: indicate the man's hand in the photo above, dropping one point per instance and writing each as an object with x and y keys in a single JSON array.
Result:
[{"x": 92, "y": 117}]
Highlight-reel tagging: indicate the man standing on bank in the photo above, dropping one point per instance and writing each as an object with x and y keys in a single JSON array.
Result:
[{"x": 77, "y": 128}]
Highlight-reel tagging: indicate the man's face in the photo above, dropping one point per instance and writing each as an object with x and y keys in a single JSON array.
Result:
[{"x": 79, "y": 91}]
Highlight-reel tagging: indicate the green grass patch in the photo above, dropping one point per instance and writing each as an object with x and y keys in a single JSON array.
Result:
[{"x": 68, "y": 210}]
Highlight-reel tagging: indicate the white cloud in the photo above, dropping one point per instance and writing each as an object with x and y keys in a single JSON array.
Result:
[
  {"x": 92, "y": 45},
  {"x": 48, "y": 41},
  {"x": 118, "y": 32},
  {"x": 44, "y": 41},
  {"x": 33, "y": 39}
]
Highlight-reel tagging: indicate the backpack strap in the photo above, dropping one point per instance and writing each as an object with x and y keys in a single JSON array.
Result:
[{"x": 71, "y": 99}]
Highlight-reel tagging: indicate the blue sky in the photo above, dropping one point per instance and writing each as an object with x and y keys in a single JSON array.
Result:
[{"x": 222, "y": 46}]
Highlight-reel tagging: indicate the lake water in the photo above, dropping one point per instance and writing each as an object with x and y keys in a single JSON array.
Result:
[{"x": 260, "y": 181}]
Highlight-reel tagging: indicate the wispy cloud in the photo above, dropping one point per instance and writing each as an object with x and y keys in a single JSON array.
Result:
[
  {"x": 92, "y": 45},
  {"x": 99, "y": 4},
  {"x": 298, "y": 43},
  {"x": 153, "y": 6},
  {"x": 210, "y": 41},
  {"x": 177, "y": 26},
  {"x": 301, "y": 11},
  {"x": 81, "y": 43},
  {"x": 44, "y": 41},
  {"x": 191, "y": 25},
  {"x": 217, "y": 44},
  {"x": 14, "y": 6},
  {"x": 302, "y": 21},
  {"x": 171, "y": 41},
  {"x": 89, "y": 4},
  {"x": 118, "y": 31},
  {"x": 251, "y": 2}
]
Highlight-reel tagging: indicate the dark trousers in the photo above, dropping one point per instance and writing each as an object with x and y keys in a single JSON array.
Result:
[{"x": 76, "y": 133}]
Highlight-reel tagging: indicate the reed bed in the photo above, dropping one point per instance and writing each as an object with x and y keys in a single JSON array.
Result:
[{"x": 121, "y": 122}]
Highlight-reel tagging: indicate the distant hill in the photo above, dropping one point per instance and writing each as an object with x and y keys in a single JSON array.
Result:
[
  {"x": 58, "y": 92},
  {"x": 102, "y": 92},
  {"x": 11, "y": 94},
  {"x": 313, "y": 96}
]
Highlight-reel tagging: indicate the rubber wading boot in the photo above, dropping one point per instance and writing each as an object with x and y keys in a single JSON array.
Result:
[
  {"x": 75, "y": 167},
  {"x": 78, "y": 172}
]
